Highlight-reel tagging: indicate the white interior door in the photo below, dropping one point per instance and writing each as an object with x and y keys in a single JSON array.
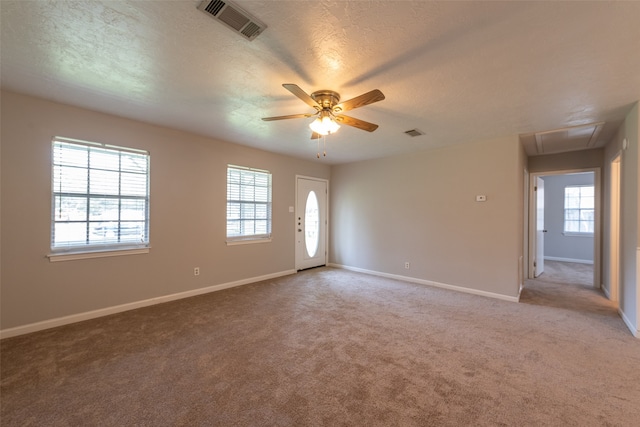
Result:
[
  {"x": 311, "y": 223},
  {"x": 539, "y": 260}
]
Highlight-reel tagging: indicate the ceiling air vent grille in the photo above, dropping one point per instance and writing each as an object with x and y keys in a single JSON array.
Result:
[
  {"x": 414, "y": 132},
  {"x": 233, "y": 17},
  {"x": 214, "y": 7},
  {"x": 250, "y": 29}
]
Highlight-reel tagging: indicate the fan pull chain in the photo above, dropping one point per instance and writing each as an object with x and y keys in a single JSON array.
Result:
[
  {"x": 324, "y": 152},
  {"x": 324, "y": 144}
]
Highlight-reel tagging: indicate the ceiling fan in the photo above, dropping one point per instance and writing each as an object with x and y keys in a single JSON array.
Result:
[{"x": 329, "y": 110}]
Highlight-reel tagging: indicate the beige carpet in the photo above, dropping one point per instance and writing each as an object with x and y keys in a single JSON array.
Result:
[
  {"x": 329, "y": 347},
  {"x": 571, "y": 273}
]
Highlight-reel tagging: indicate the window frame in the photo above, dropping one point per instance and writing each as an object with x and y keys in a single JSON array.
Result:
[
  {"x": 241, "y": 239},
  {"x": 89, "y": 249},
  {"x": 579, "y": 209}
]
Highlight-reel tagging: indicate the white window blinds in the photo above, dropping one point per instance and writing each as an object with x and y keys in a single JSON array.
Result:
[
  {"x": 100, "y": 196},
  {"x": 248, "y": 204}
]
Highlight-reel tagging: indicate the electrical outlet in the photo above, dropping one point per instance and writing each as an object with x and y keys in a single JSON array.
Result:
[
  {"x": 196, "y": 271},
  {"x": 406, "y": 265}
]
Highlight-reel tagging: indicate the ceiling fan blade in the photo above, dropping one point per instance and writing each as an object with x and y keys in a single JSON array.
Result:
[
  {"x": 291, "y": 116},
  {"x": 357, "y": 123},
  {"x": 359, "y": 101},
  {"x": 295, "y": 89},
  {"x": 315, "y": 135}
]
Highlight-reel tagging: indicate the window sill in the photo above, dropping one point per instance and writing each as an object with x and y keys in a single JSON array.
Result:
[
  {"x": 72, "y": 256},
  {"x": 570, "y": 234},
  {"x": 247, "y": 241}
]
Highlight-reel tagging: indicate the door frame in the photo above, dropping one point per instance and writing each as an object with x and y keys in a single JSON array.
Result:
[
  {"x": 597, "y": 235},
  {"x": 536, "y": 263},
  {"x": 613, "y": 279},
  {"x": 297, "y": 259}
]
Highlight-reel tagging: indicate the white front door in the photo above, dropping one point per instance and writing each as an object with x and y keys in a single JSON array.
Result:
[
  {"x": 311, "y": 223},
  {"x": 539, "y": 260}
]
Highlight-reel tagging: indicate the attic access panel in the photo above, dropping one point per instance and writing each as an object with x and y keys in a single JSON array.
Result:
[
  {"x": 233, "y": 17},
  {"x": 572, "y": 138}
]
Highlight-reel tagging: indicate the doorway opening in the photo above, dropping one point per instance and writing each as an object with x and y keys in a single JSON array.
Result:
[{"x": 564, "y": 230}]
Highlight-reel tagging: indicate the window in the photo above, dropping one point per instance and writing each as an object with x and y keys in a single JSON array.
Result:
[
  {"x": 248, "y": 204},
  {"x": 579, "y": 209},
  {"x": 100, "y": 197}
]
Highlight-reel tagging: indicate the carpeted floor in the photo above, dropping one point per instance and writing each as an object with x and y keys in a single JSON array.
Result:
[
  {"x": 330, "y": 347},
  {"x": 570, "y": 273}
]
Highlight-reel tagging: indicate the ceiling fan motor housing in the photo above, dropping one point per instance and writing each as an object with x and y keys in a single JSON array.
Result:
[{"x": 326, "y": 98}]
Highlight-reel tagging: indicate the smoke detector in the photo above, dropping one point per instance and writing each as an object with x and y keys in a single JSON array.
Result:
[{"x": 233, "y": 17}]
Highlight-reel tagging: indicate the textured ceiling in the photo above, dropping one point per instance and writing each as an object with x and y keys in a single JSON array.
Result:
[{"x": 458, "y": 71}]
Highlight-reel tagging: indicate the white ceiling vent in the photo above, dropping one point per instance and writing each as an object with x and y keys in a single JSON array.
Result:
[
  {"x": 414, "y": 132},
  {"x": 233, "y": 17}
]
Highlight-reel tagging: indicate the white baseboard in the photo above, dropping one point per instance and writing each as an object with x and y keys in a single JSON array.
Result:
[
  {"x": 520, "y": 289},
  {"x": 60, "y": 321},
  {"x": 428, "y": 283},
  {"x": 627, "y": 322},
  {"x": 579, "y": 261}
]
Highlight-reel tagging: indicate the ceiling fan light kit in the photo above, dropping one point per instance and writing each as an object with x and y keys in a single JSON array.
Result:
[
  {"x": 324, "y": 125},
  {"x": 329, "y": 110}
]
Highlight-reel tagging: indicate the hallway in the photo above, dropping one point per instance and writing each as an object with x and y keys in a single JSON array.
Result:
[
  {"x": 568, "y": 273},
  {"x": 569, "y": 286}
]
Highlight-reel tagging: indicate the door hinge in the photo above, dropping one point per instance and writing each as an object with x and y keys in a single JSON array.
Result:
[
  {"x": 535, "y": 264},
  {"x": 535, "y": 188}
]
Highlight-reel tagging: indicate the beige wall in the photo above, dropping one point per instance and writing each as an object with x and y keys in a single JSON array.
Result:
[
  {"x": 629, "y": 300},
  {"x": 567, "y": 161},
  {"x": 421, "y": 208},
  {"x": 188, "y": 210}
]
